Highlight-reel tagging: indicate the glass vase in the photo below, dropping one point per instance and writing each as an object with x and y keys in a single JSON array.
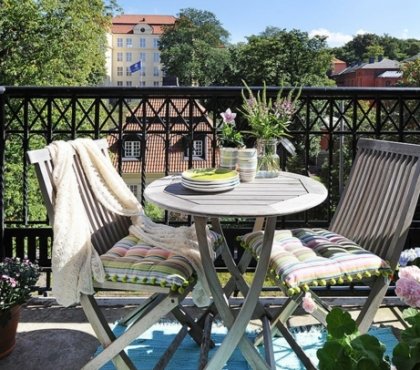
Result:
[{"x": 268, "y": 159}]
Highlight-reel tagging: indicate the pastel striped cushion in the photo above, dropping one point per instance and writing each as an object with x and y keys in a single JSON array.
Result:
[
  {"x": 131, "y": 260},
  {"x": 309, "y": 257}
]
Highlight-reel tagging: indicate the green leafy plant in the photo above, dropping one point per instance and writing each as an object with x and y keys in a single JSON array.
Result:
[
  {"x": 406, "y": 354},
  {"x": 346, "y": 348},
  {"x": 16, "y": 280}
]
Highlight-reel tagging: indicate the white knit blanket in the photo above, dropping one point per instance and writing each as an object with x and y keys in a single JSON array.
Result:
[{"x": 74, "y": 260}]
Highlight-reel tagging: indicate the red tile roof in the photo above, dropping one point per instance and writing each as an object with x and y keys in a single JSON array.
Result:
[
  {"x": 125, "y": 23},
  {"x": 157, "y": 110}
]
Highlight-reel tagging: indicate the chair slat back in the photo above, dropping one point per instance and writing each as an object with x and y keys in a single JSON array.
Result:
[
  {"x": 106, "y": 227},
  {"x": 378, "y": 204}
]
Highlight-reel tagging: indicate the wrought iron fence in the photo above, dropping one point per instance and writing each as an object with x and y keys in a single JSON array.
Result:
[{"x": 325, "y": 130}]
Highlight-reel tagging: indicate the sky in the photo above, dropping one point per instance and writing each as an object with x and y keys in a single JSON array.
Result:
[{"x": 338, "y": 19}]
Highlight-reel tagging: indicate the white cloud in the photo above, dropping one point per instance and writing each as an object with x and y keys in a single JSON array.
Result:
[
  {"x": 404, "y": 34},
  {"x": 335, "y": 39}
]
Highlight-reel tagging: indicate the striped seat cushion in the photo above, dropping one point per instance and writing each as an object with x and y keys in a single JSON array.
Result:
[
  {"x": 301, "y": 258},
  {"x": 131, "y": 260}
]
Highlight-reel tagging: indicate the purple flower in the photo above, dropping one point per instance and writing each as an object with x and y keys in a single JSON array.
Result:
[{"x": 228, "y": 116}]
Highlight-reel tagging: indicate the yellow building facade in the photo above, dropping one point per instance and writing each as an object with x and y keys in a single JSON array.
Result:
[{"x": 133, "y": 39}]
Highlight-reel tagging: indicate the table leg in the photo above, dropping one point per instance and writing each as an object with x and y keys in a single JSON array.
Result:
[{"x": 237, "y": 326}]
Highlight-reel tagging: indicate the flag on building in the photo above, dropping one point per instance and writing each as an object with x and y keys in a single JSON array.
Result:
[{"x": 135, "y": 67}]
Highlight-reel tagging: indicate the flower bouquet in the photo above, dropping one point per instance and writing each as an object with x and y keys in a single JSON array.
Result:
[{"x": 269, "y": 119}]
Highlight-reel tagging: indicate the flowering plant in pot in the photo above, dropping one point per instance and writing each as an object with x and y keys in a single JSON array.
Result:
[
  {"x": 347, "y": 348},
  {"x": 269, "y": 120},
  {"x": 16, "y": 280},
  {"x": 230, "y": 139}
]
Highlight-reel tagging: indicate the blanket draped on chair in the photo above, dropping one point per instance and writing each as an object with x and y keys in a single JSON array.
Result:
[{"x": 74, "y": 260}]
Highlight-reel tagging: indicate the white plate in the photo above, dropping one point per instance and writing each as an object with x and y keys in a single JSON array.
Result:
[
  {"x": 210, "y": 175},
  {"x": 209, "y": 189},
  {"x": 210, "y": 184}
]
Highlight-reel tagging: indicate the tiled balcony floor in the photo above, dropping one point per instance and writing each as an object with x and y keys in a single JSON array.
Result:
[{"x": 53, "y": 337}]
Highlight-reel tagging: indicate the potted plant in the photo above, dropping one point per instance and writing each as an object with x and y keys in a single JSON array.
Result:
[
  {"x": 269, "y": 119},
  {"x": 16, "y": 280},
  {"x": 347, "y": 348},
  {"x": 230, "y": 139}
]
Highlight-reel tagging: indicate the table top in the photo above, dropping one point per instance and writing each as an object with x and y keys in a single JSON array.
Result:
[{"x": 289, "y": 193}]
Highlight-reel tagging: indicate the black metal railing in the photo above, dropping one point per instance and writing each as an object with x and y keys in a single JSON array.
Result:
[{"x": 325, "y": 130}]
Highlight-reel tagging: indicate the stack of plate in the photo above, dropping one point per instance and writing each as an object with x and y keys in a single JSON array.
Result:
[{"x": 210, "y": 180}]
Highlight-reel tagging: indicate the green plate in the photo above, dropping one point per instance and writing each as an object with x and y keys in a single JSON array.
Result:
[{"x": 210, "y": 174}]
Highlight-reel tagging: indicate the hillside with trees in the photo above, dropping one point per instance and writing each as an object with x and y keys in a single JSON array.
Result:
[{"x": 362, "y": 47}]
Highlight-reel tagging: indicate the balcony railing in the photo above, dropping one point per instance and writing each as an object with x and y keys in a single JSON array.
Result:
[{"x": 325, "y": 130}]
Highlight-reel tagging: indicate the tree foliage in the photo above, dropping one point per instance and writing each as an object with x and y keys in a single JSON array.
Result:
[
  {"x": 411, "y": 73},
  {"x": 45, "y": 42},
  {"x": 279, "y": 56},
  {"x": 361, "y": 47},
  {"x": 194, "y": 49},
  {"x": 52, "y": 42}
]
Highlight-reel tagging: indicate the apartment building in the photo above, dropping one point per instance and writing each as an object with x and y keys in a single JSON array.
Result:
[{"x": 134, "y": 39}]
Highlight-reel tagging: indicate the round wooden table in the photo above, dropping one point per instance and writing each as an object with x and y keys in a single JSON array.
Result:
[{"x": 264, "y": 199}]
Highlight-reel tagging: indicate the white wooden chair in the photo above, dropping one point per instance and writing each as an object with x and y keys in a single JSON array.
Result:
[
  {"x": 375, "y": 212},
  {"x": 106, "y": 230}
]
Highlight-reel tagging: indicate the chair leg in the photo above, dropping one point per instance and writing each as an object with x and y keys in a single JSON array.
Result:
[
  {"x": 374, "y": 300},
  {"x": 161, "y": 307},
  {"x": 103, "y": 331}
]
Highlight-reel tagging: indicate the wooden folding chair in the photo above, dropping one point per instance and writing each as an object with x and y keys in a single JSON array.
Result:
[
  {"x": 107, "y": 229},
  {"x": 374, "y": 215}
]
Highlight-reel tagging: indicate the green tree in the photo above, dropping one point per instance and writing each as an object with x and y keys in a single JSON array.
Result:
[
  {"x": 45, "y": 42},
  {"x": 361, "y": 47},
  {"x": 374, "y": 51},
  {"x": 51, "y": 42},
  {"x": 277, "y": 56},
  {"x": 411, "y": 73},
  {"x": 194, "y": 49}
]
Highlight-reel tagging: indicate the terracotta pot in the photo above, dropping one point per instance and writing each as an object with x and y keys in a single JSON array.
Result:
[{"x": 8, "y": 332}]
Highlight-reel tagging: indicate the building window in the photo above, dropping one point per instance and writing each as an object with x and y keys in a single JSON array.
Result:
[
  {"x": 128, "y": 57},
  {"x": 119, "y": 42},
  {"x": 156, "y": 57},
  {"x": 128, "y": 83},
  {"x": 119, "y": 71},
  {"x": 134, "y": 189},
  {"x": 119, "y": 83},
  {"x": 131, "y": 147},
  {"x": 143, "y": 57},
  {"x": 198, "y": 147},
  {"x": 119, "y": 57},
  {"x": 142, "y": 42},
  {"x": 127, "y": 71},
  {"x": 142, "y": 83},
  {"x": 155, "y": 43},
  {"x": 156, "y": 71},
  {"x": 129, "y": 42},
  {"x": 156, "y": 83}
]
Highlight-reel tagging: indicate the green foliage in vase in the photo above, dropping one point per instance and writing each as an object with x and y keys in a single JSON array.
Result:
[{"x": 268, "y": 118}]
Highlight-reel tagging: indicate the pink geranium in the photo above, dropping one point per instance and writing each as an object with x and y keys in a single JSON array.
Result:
[
  {"x": 407, "y": 286},
  {"x": 308, "y": 304}
]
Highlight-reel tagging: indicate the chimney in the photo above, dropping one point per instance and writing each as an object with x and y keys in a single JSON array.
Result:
[
  {"x": 371, "y": 60},
  {"x": 380, "y": 57}
]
